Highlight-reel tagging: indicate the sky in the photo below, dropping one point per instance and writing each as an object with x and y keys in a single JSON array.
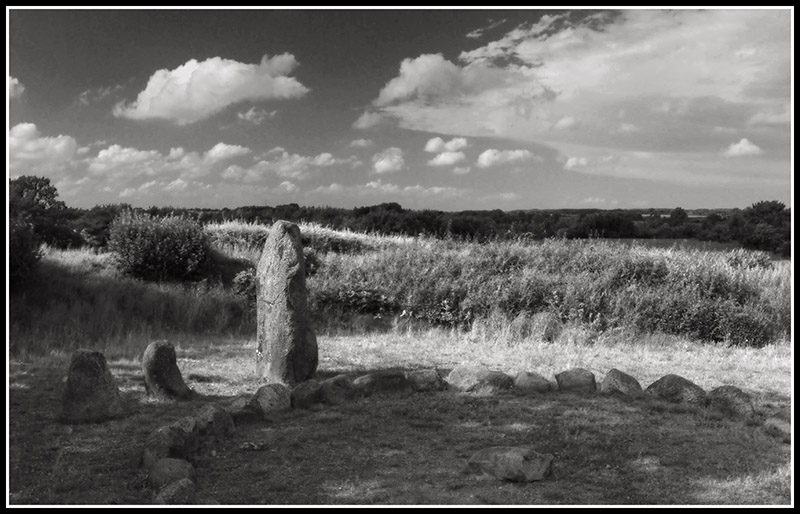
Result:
[{"x": 433, "y": 109}]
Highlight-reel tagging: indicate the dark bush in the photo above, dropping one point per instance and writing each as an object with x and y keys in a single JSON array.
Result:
[
  {"x": 151, "y": 248},
  {"x": 23, "y": 250}
]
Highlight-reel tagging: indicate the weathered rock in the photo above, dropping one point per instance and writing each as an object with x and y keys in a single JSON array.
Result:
[
  {"x": 271, "y": 398},
  {"x": 91, "y": 394},
  {"x": 474, "y": 378},
  {"x": 214, "y": 421},
  {"x": 242, "y": 409},
  {"x": 512, "y": 463},
  {"x": 338, "y": 390},
  {"x": 305, "y": 394},
  {"x": 616, "y": 381},
  {"x": 529, "y": 382},
  {"x": 780, "y": 428},
  {"x": 390, "y": 382},
  {"x": 732, "y": 401},
  {"x": 180, "y": 492},
  {"x": 577, "y": 380},
  {"x": 162, "y": 378},
  {"x": 168, "y": 470},
  {"x": 423, "y": 380},
  {"x": 287, "y": 345},
  {"x": 178, "y": 440},
  {"x": 676, "y": 389}
]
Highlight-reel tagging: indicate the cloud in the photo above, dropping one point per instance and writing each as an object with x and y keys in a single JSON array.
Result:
[
  {"x": 772, "y": 117},
  {"x": 462, "y": 170},
  {"x": 256, "y": 116},
  {"x": 447, "y": 159},
  {"x": 368, "y": 120},
  {"x": 284, "y": 164},
  {"x": 627, "y": 128},
  {"x": 15, "y": 88},
  {"x": 30, "y": 153},
  {"x": 388, "y": 161},
  {"x": 361, "y": 143},
  {"x": 437, "y": 144},
  {"x": 96, "y": 95},
  {"x": 574, "y": 163},
  {"x": 222, "y": 151},
  {"x": 492, "y": 157},
  {"x": 478, "y": 33},
  {"x": 742, "y": 149},
  {"x": 197, "y": 90},
  {"x": 565, "y": 123}
]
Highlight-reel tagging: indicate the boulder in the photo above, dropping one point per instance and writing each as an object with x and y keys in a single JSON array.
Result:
[
  {"x": 287, "y": 346},
  {"x": 616, "y": 381},
  {"x": 470, "y": 378},
  {"x": 529, "y": 382},
  {"x": 338, "y": 390},
  {"x": 178, "y": 440},
  {"x": 306, "y": 394},
  {"x": 423, "y": 380},
  {"x": 162, "y": 378},
  {"x": 214, "y": 421},
  {"x": 577, "y": 380},
  {"x": 180, "y": 492},
  {"x": 270, "y": 399},
  {"x": 91, "y": 394},
  {"x": 167, "y": 470},
  {"x": 676, "y": 389},
  {"x": 777, "y": 427},
  {"x": 511, "y": 463},
  {"x": 732, "y": 401},
  {"x": 389, "y": 382},
  {"x": 242, "y": 410}
]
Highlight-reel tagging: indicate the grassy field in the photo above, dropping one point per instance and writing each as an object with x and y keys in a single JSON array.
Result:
[{"x": 383, "y": 303}]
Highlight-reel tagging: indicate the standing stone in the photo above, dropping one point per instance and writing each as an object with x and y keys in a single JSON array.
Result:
[
  {"x": 529, "y": 382},
  {"x": 91, "y": 394},
  {"x": 676, "y": 389},
  {"x": 732, "y": 401},
  {"x": 617, "y": 381},
  {"x": 287, "y": 346},
  {"x": 511, "y": 463},
  {"x": 578, "y": 380},
  {"x": 162, "y": 378}
]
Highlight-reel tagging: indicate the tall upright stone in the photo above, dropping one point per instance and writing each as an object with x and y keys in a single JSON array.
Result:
[
  {"x": 287, "y": 345},
  {"x": 91, "y": 393}
]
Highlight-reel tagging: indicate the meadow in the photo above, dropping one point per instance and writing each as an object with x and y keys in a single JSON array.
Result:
[{"x": 395, "y": 302}]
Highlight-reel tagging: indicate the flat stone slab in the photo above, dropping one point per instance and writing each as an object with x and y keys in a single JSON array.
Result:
[
  {"x": 514, "y": 464},
  {"x": 471, "y": 378}
]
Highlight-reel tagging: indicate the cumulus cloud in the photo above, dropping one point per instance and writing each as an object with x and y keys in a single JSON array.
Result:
[
  {"x": 222, "y": 151},
  {"x": 283, "y": 164},
  {"x": 255, "y": 116},
  {"x": 368, "y": 120},
  {"x": 574, "y": 163},
  {"x": 565, "y": 123},
  {"x": 15, "y": 88},
  {"x": 447, "y": 159},
  {"x": 30, "y": 152},
  {"x": 742, "y": 149},
  {"x": 492, "y": 157},
  {"x": 98, "y": 94},
  {"x": 361, "y": 143},
  {"x": 388, "y": 161},
  {"x": 437, "y": 144},
  {"x": 458, "y": 170},
  {"x": 197, "y": 90}
]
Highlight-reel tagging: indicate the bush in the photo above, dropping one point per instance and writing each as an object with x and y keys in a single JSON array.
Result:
[
  {"x": 23, "y": 249},
  {"x": 152, "y": 248}
]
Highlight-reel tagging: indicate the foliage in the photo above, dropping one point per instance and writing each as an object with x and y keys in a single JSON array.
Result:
[
  {"x": 34, "y": 200},
  {"x": 151, "y": 248},
  {"x": 23, "y": 250}
]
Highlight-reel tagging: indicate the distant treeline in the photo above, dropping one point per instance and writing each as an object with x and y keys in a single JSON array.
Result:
[{"x": 763, "y": 226}]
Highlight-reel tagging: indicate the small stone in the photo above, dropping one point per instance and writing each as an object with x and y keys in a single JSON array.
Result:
[
  {"x": 167, "y": 470},
  {"x": 90, "y": 394},
  {"x": 619, "y": 382},
  {"x": 529, "y": 382},
  {"x": 338, "y": 390},
  {"x": 676, "y": 389},
  {"x": 214, "y": 421},
  {"x": 178, "y": 440},
  {"x": 732, "y": 401},
  {"x": 180, "y": 492},
  {"x": 511, "y": 463},
  {"x": 162, "y": 378},
  {"x": 390, "y": 382},
  {"x": 577, "y": 380},
  {"x": 471, "y": 378},
  {"x": 305, "y": 394},
  {"x": 242, "y": 410},
  {"x": 423, "y": 380},
  {"x": 270, "y": 399}
]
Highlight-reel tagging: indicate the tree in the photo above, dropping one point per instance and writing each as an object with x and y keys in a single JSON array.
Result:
[{"x": 34, "y": 200}]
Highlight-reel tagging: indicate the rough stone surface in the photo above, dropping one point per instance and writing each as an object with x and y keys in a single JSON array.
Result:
[
  {"x": 180, "y": 492},
  {"x": 214, "y": 421},
  {"x": 511, "y": 463},
  {"x": 732, "y": 401},
  {"x": 306, "y": 394},
  {"x": 242, "y": 410},
  {"x": 470, "y": 378},
  {"x": 616, "y": 381},
  {"x": 162, "y": 378},
  {"x": 91, "y": 394},
  {"x": 178, "y": 440},
  {"x": 287, "y": 346},
  {"x": 676, "y": 389},
  {"x": 271, "y": 398},
  {"x": 529, "y": 382},
  {"x": 423, "y": 380},
  {"x": 167, "y": 470},
  {"x": 577, "y": 380},
  {"x": 779, "y": 427},
  {"x": 390, "y": 382},
  {"x": 338, "y": 390}
]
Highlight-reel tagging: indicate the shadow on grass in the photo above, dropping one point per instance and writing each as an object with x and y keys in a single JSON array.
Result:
[{"x": 405, "y": 449}]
